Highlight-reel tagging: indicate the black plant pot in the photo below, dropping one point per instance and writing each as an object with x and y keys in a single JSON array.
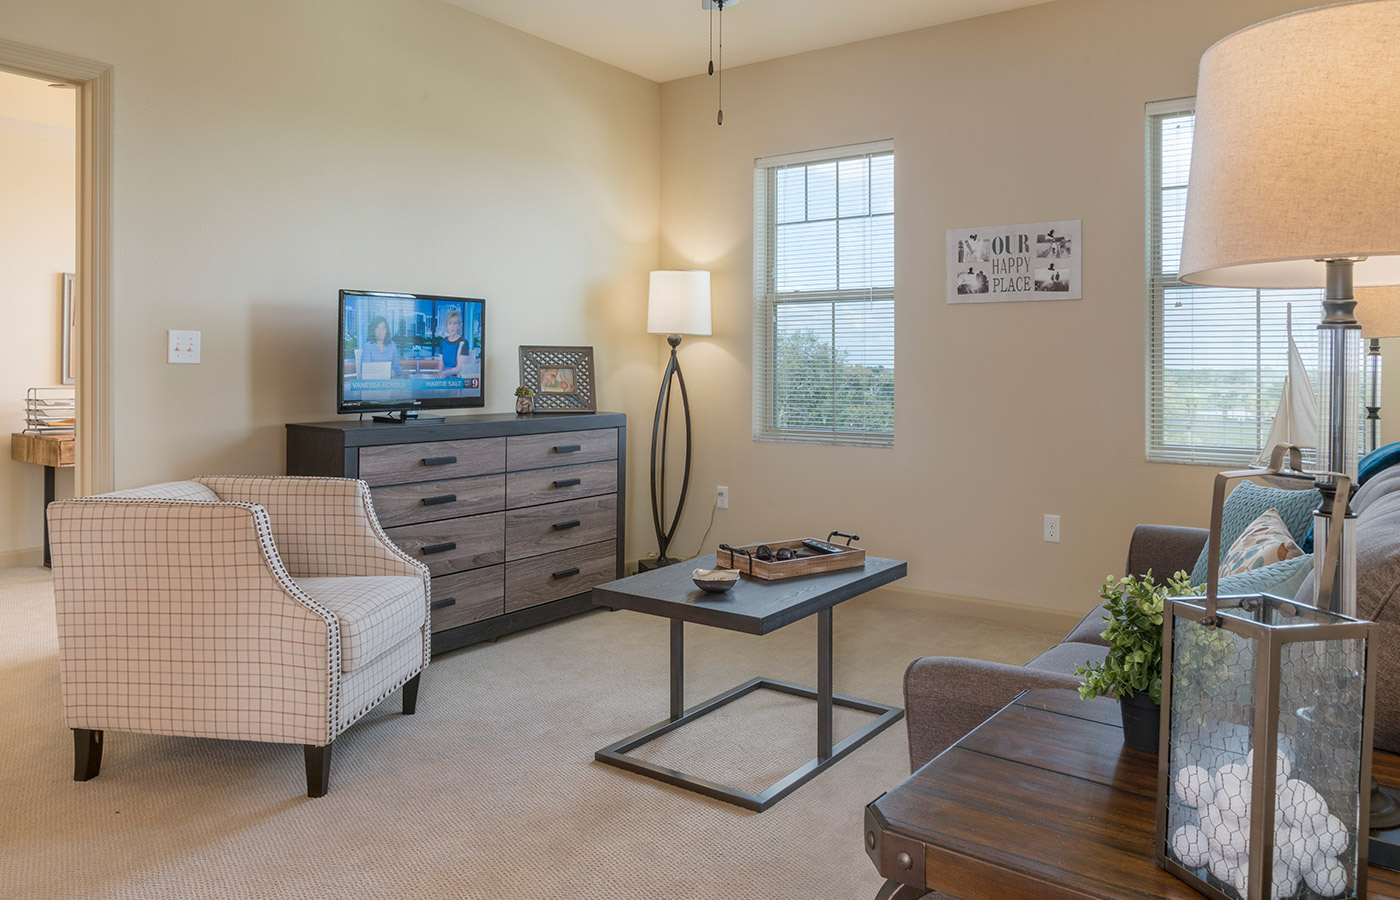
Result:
[{"x": 1142, "y": 721}]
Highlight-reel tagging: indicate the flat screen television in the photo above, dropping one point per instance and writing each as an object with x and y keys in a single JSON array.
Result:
[{"x": 408, "y": 352}]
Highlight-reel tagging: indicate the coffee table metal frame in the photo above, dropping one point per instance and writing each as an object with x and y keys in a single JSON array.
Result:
[{"x": 828, "y": 751}]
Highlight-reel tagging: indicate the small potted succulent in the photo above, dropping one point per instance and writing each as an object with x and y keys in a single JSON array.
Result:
[
  {"x": 1132, "y": 670},
  {"x": 524, "y": 401}
]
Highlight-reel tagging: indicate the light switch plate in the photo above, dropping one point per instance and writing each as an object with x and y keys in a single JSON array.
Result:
[{"x": 183, "y": 347}]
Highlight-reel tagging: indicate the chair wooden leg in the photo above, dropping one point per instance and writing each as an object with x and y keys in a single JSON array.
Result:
[
  {"x": 87, "y": 753},
  {"x": 318, "y": 770},
  {"x": 410, "y": 695}
]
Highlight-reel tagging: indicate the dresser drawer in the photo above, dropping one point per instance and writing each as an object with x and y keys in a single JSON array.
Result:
[
  {"x": 537, "y": 530},
  {"x": 468, "y": 597},
  {"x": 454, "y": 545},
  {"x": 429, "y": 501},
  {"x": 554, "y": 576},
  {"x": 539, "y": 451},
  {"x": 562, "y": 483},
  {"x": 434, "y": 460}
]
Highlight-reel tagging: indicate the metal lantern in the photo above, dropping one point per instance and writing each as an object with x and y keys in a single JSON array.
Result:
[{"x": 1264, "y": 765}]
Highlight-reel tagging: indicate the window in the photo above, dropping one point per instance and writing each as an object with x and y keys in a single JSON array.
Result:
[
  {"x": 1216, "y": 357},
  {"x": 824, "y": 297}
]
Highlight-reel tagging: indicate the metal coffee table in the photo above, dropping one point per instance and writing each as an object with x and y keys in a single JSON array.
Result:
[{"x": 753, "y": 607}]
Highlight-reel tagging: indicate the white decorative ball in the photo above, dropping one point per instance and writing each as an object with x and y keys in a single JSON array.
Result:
[
  {"x": 1284, "y": 767},
  {"x": 1232, "y": 790},
  {"x": 1332, "y": 837},
  {"x": 1298, "y": 801},
  {"x": 1326, "y": 876},
  {"x": 1190, "y": 846},
  {"x": 1290, "y": 847},
  {"x": 1231, "y": 836},
  {"x": 1286, "y": 880},
  {"x": 1192, "y": 786},
  {"x": 1224, "y": 869}
]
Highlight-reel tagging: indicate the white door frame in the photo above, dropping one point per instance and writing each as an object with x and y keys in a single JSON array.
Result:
[{"x": 95, "y": 434}]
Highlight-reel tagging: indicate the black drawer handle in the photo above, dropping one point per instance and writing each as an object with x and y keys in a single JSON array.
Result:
[
  {"x": 561, "y": 526},
  {"x": 568, "y": 482},
  {"x": 439, "y": 604},
  {"x": 566, "y": 572},
  {"x": 439, "y": 460},
  {"x": 445, "y": 498},
  {"x": 567, "y": 448},
  {"x": 439, "y": 548}
]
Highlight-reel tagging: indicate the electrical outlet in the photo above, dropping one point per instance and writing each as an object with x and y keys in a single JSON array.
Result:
[
  {"x": 1052, "y": 529},
  {"x": 182, "y": 347},
  {"x": 722, "y": 497}
]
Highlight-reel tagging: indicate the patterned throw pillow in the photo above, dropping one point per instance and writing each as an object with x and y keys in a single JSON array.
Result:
[{"x": 1264, "y": 542}]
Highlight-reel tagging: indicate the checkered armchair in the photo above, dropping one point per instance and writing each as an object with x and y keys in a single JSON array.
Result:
[{"x": 247, "y": 608}]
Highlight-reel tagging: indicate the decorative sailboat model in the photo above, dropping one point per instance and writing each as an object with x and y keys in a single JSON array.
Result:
[{"x": 1295, "y": 422}]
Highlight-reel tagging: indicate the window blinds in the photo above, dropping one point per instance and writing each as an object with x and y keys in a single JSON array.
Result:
[
  {"x": 824, "y": 297},
  {"x": 1216, "y": 357}
]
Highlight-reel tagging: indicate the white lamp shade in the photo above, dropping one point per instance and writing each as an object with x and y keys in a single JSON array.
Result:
[
  {"x": 1378, "y": 311},
  {"x": 679, "y": 303},
  {"x": 1296, "y": 153}
]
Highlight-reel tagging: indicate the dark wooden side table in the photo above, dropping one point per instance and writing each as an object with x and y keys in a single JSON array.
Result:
[
  {"x": 53, "y": 452},
  {"x": 1041, "y": 800},
  {"x": 753, "y": 607}
]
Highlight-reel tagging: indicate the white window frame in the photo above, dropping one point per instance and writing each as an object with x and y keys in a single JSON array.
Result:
[
  {"x": 1306, "y": 313},
  {"x": 766, "y": 300}
]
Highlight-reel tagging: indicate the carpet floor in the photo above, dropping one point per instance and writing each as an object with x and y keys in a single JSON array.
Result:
[{"x": 491, "y": 790}]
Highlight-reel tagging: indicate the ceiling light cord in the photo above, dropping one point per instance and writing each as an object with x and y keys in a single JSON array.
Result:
[
  {"x": 712, "y": 40},
  {"x": 720, "y": 118}
]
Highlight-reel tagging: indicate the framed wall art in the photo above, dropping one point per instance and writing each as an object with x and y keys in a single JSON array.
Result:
[{"x": 561, "y": 377}]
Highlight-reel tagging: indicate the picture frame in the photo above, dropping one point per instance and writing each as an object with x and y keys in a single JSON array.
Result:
[
  {"x": 69, "y": 329},
  {"x": 561, "y": 377}
]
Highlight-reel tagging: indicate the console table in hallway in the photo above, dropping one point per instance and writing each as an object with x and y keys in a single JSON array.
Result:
[{"x": 53, "y": 452}]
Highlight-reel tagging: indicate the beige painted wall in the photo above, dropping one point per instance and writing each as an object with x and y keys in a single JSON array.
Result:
[
  {"x": 37, "y": 234},
  {"x": 1005, "y": 412},
  {"x": 269, "y": 153}
]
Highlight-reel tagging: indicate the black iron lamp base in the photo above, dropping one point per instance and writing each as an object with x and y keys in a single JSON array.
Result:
[{"x": 650, "y": 563}]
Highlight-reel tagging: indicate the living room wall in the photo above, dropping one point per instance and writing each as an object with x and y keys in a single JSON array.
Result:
[
  {"x": 270, "y": 153},
  {"x": 37, "y": 237},
  {"x": 1006, "y": 411}
]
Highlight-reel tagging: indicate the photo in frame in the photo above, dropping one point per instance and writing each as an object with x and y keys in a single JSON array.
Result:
[
  {"x": 70, "y": 323},
  {"x": 561, "y": 377}
]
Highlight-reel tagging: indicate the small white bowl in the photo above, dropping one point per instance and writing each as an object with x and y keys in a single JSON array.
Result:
[{"x": 716, "y": 581}]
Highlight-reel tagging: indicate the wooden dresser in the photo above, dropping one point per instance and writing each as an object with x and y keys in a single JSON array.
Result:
[{"x": 517, "y": 518}]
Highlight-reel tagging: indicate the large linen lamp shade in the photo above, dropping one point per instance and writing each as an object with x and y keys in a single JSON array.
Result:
[
  {"x": 1378, "y": 311},
  {"x": 679, "y": 303},
  {"x": 1296, "y": 154}
]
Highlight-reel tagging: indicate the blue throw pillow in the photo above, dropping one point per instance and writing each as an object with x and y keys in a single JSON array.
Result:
[
  {"x": 1281, "y": 579},
  {"x": 1249, "y": 501},
  {"x": 1373, "y": 463}
]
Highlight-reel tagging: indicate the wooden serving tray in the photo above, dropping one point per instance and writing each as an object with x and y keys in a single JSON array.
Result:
[{"x": 807, "y": 561}]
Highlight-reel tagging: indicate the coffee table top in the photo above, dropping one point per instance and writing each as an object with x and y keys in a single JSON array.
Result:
[
  {"x": 751, "y": 606},
  {"x": 1043, "y": 800}
]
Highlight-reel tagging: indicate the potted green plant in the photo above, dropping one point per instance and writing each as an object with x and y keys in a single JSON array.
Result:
[
  {"x": 524, "y": 401},
  {"x": 1132, "y": 670}
]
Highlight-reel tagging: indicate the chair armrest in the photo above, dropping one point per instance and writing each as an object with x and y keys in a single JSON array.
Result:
[
  {"x": 324, "y": 527},
  {"x": 1165, "y": 549},
  {"x": 178, "y": 617},
  {"x": 946, "y": 697}
]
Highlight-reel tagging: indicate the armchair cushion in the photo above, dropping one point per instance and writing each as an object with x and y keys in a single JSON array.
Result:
[
  {"x": 169, "y": 490},
  {"x": 376, "y": 612}
]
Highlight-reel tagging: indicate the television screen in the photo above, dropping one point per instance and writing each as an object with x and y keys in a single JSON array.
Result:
[{"x": 410, "y": 351}]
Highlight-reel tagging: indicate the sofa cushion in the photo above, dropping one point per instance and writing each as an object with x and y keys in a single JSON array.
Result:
[
  {"x": 1265, "y": 542},
  {"x": 1063, "y": 658},
  {"x": 1090, "y": 628},
  {"x": 1246, "y": 503},
  {"x": 168, "y": 490},
  {"x": 376, "y": 612},
  {"x": 1282, "y": 579}
]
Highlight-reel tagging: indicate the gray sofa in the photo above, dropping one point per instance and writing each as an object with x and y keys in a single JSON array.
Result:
[{"x": 945, "y": 697}]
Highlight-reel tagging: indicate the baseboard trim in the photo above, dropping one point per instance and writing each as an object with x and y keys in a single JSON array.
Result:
[
  {"x": 22, "y": 558},
  {"x": 1040, "y": 618}
]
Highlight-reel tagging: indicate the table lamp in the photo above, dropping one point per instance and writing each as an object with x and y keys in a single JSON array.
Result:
[
  {"x": 1378, "y": 311},
  {"x": 677, "y": 304},
  {"x": 1295, "y": 183}
]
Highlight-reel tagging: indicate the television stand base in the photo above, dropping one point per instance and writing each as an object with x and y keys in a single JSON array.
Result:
[{"x": 405, "y": 415}]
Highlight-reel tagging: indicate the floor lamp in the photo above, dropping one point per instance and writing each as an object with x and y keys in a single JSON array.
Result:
[
  {"x": 678, "y": 304},
  {"x": 1295, "y": 183},
  {"x": 1378, "y": 311}
]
